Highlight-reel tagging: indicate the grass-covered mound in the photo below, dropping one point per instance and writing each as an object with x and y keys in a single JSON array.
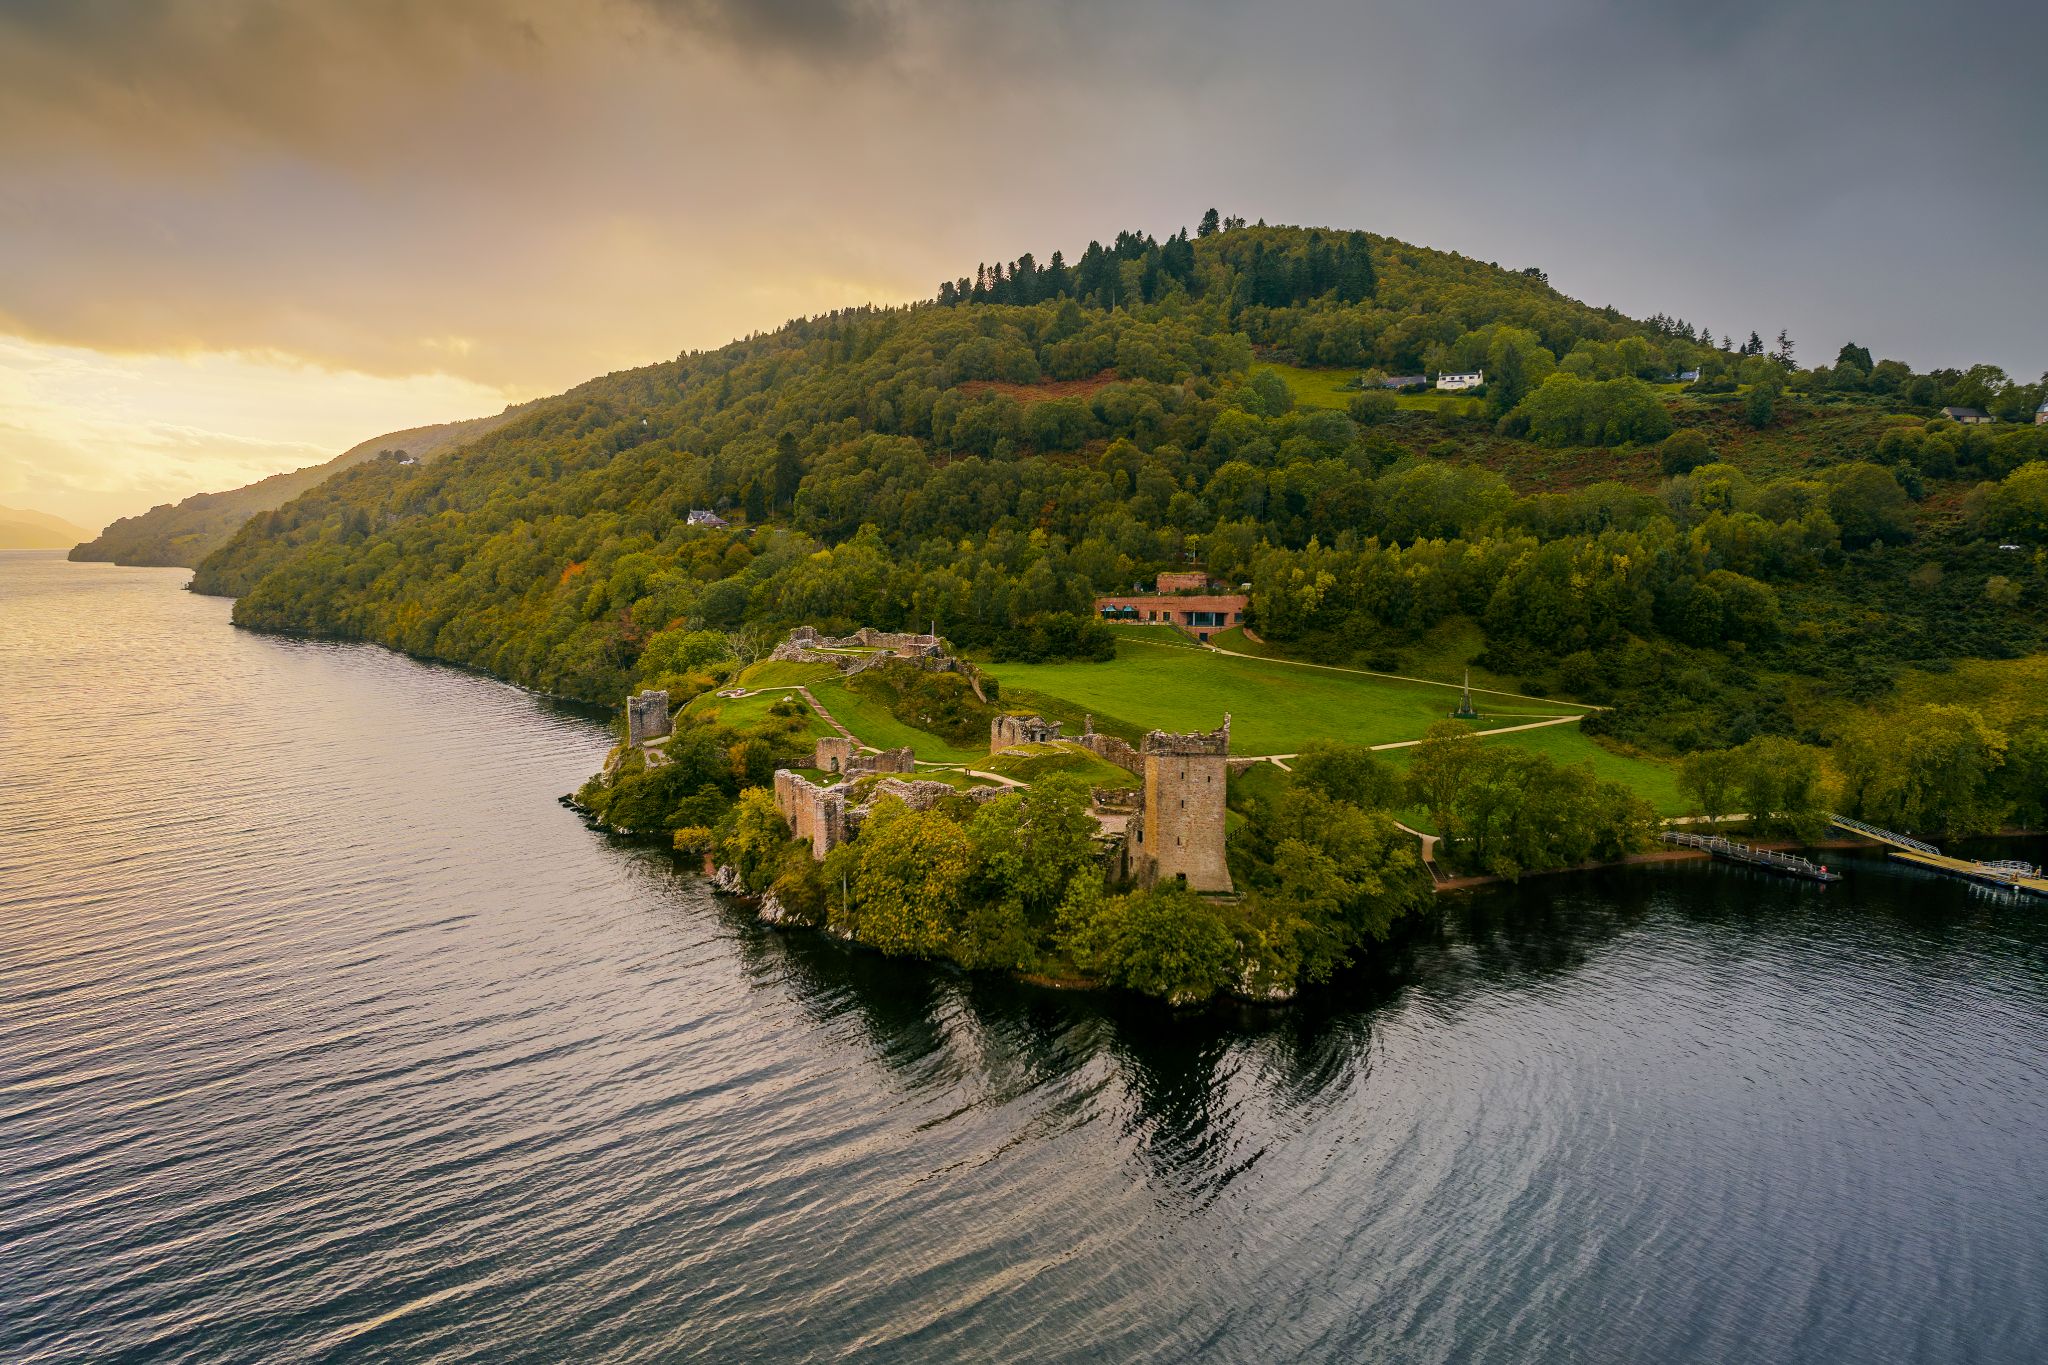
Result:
[
  {"x": 1035, "y": 762},
  {"x": 1275, "y": 707}
]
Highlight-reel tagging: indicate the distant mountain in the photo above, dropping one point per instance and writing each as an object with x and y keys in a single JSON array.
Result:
[
  {"x": 21, "y": 529},
  {"x": 187, "y": 532}
]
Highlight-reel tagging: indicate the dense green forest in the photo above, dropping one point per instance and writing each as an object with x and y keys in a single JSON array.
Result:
[
  {"x": 1763, "y": 551},
  {"x": 186, "y": 532}
]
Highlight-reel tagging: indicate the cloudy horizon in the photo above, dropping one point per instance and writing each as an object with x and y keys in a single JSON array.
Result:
[{"x": 258, "y": 231}]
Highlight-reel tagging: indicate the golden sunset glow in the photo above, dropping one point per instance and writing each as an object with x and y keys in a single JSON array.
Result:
[{"x": 244, "y": 234}]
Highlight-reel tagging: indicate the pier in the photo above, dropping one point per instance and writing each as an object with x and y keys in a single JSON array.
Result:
[
  {"x": 1787, "y": 864},
  {"x": 2012, "y": 876}
]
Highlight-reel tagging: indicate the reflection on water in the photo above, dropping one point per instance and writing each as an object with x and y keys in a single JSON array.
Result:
[{"x": 326, "y": 1034}]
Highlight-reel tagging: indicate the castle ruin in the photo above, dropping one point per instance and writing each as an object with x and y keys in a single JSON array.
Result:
[
  {"x": 647, "y": 716},
  {"x": 825, "y": 818},
  {"x": 1005, "y": 731},
  {"x": 1180, "y": 830},
  {"x": 841, "y": 755}
]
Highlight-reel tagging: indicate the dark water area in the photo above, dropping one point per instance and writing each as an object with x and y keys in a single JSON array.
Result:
[{"x": 327, "y": 1034}]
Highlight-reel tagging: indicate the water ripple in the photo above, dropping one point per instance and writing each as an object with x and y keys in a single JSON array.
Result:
[{"x": 325, "y": 1034}]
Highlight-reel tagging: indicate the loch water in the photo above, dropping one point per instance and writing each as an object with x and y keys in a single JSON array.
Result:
[{"x": 327, "y": 1034}]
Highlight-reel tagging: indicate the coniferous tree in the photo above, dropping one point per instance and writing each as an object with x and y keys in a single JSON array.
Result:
[{"x": 1210, "y": 225}]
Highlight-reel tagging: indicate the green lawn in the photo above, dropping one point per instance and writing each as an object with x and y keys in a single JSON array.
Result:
[
  {"x": 784, "y": 673},
  {"x": 749, "y": 713},
  {"x": 1335, "y": 388},
  {"x": 1656, "y": 781},
  {"x": 870, "y": 721},
  {"x": 1276, "y": 707},
  {"x": 1156, "y": 635},
  {"x": 1031, "y": 762}
]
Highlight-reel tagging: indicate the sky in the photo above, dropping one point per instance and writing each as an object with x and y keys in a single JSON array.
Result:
[{"x": 238, "y": 236}]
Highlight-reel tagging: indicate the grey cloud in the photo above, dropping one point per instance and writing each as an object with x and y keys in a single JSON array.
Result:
[{"x": 301, "y": 173}]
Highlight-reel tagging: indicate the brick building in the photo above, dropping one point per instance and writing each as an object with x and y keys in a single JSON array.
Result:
[{"x": 1182, "y": 599}]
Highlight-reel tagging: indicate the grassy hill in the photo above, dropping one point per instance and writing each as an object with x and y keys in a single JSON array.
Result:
[
  {"x": 1777, "y": 551},
  {"x": 184, "y": 533}
]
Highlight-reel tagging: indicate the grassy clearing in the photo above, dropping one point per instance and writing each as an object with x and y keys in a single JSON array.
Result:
[
  {"x": 1031, "y": 762},
  {"x": 1335, "y": 388},
  {"x": 1444, "y": 652},
  {"x": 1157, "y": 635},
  {"x": 1276, "y": 707},
  {"x": 871, "y": 722},
  {"x": 751, "y": 713},
  {"x": 784, "y": 673},
  {"x": 1655, "y": 780}
]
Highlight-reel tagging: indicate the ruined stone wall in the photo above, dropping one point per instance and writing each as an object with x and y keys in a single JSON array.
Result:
[
  {"x": 838, "y": 754},
  {"x": 816, "y": 815},
  {"x": 1181, "y": 828},
  {"x": 1114, "y": 750},
  {"x": 821, "y": 817},
  {"x": 647, "y": 716},
  {"x": 902, "y": 642},
  {"x": 1005, "y": 731}
]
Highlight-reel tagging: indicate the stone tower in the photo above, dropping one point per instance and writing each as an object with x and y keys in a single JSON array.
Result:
[
  {"x": 646, "y": 716},
  {"x": 1180, "y": 832}
]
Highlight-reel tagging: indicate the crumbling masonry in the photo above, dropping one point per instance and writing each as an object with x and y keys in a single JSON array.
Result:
[
  {"x": 840, "y": 755},
  {"x": 1005, "y": 731},
  {"x": 824, "y": 818},
  {"x": 647, "y": 716}
]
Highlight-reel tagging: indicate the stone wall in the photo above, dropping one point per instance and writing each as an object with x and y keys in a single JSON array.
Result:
[
  {"x": 1005, "y": 731},
  {"x": 838, "y": 754},
  {"x": 804, "y": 642},
  {"x": 822, "y": 817},
  {"x": 1181, "y": 828},
  {"x": 1114, "y": 750},
  {"x": 816, "y": 815},
  {"x": 647, "y": 716}
]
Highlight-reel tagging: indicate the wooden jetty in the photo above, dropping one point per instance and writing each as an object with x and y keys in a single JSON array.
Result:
[
  {"x": 2011, "y": 876},
  {"x": 1786, "y": 864}
]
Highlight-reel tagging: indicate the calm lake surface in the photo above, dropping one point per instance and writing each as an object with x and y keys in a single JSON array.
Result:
[{"x": 326, "y": 1034}]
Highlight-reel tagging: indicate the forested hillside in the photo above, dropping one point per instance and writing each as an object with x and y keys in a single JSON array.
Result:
[
  {"x": 1763, "y": 551},
  {"x": 186, "y": 532}
]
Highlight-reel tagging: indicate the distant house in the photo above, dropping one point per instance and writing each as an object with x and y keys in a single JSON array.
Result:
[
  {"x": 1686, "y": 377},
  {"x": 1967, "y": 416},
  {"x": 1454, "y": 383},
  {"x": 1187, "y": 600},
  {"x": 700, "y": 517},
  {"x": 2041, "y": 415},
  {"x": 1405, "y": 381}
]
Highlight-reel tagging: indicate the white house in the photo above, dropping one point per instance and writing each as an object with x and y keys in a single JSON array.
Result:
[
  {"x": 2041, "y": 415},
  {"x": 701, "y": 517},
  {"x": 1453, "y": 383},
  {"x": 1967, "y": 416}
]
